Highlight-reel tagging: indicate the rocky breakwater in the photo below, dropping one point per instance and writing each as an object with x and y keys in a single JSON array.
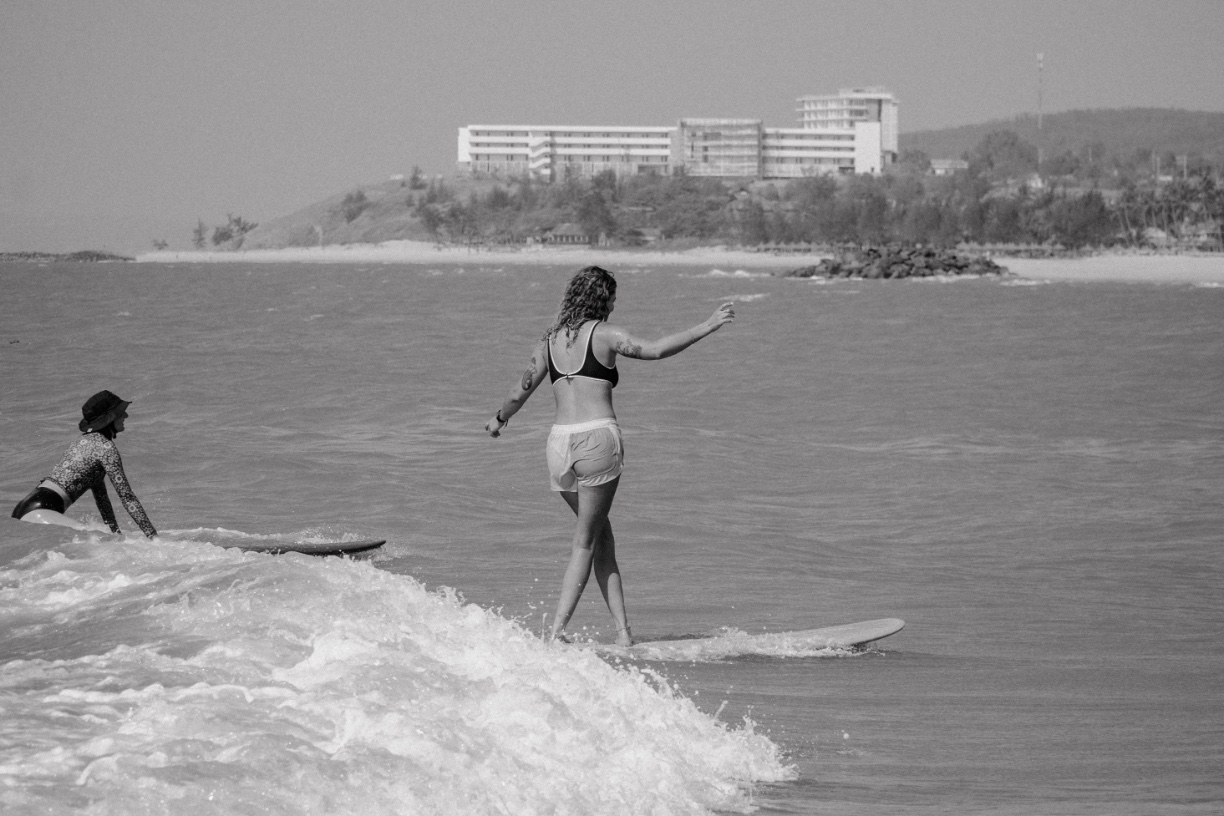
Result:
[
  {"x": 896, "y": 262},
  {"x": 84, "y": 256}
]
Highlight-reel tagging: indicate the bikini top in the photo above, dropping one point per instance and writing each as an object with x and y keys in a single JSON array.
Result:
[{"x": 591, "y": 369}]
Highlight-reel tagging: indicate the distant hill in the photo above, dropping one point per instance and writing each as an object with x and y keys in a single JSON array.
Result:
[
  {"x": 1121, "y": 133},
  {"x": 387, "y": 217},
  {"x": 364, "y": 214}
]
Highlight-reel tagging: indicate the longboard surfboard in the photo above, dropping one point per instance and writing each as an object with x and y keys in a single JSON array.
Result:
[
  {"x": 804, "y": 643},
  {"x": 271, "y": 547},
  {"x": 309, "y": 547}
]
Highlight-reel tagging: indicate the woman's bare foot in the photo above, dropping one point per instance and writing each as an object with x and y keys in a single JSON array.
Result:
[{"x": 624, "y": 637}]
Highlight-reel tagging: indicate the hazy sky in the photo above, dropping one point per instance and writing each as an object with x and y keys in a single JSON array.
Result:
[{"x": 125, "y": 121}]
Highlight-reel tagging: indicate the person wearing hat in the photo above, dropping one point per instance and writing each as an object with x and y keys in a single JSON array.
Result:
[{"x": 86, "y": 466}]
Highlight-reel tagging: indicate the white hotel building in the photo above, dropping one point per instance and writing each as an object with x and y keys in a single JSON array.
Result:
[{"x": 852, "y": 132}]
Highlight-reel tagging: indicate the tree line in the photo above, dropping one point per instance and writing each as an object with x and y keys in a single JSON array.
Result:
[
  {"x": 999, "y": 198},
  {"x": 1099, "y": 145},
  {"x": 229, "y": 235}
]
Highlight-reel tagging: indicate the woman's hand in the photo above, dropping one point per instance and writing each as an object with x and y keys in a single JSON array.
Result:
[
  {"x": 723, "y": 315},
  {"x": 495, "y": 425}
]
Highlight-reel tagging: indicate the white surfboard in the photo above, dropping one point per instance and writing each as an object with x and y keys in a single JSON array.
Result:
[
  {"x": 249, "y": 545},
  {"x": 45, "y": 516},
  {"x": 804, "y": 643}
]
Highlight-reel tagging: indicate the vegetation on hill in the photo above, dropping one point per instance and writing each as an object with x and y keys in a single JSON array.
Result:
[
  {"x": 1011, "y": 193},
  {"x": 369, "y": 214},
  {"x": 1103, "y": 144}
]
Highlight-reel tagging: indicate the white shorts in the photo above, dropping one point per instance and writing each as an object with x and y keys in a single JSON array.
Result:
[{"x": 587, "y": 454}]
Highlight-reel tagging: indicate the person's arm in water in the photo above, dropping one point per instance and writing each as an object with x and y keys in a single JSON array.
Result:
[
  {"x": 104, "y": 505},
  {"x": 533, "y": 375},
  {"x": 626, "y": 345},
  {"x": 114, "y": 469}
]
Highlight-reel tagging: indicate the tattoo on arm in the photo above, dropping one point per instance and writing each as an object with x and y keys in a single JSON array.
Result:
[
  {"x": 627, "y": 349},
  {"x": 529, "y": 374}
]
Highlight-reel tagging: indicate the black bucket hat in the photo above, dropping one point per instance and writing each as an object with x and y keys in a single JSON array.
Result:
[{"x": 100, "y": 410}]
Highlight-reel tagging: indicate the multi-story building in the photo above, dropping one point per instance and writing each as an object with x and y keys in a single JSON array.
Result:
[
  {"x": 550, "y": 152},
  {"x": 852, "y": 132}
]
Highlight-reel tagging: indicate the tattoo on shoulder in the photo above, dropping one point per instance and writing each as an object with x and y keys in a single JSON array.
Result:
[{"x": 627, "y": 349}]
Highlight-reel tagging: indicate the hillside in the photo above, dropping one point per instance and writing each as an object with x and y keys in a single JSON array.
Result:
[
  {"x": 366, "y": 213},
  {"x": 1122, "y": 133},
  {"x": 387, "y": 218}
]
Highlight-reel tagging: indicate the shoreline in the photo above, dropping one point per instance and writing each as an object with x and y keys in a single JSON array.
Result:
[
  {"x": 1196, "y": 269},
  {"x": 1121, "y": 267},
  {"x": 424, "y": 252}
]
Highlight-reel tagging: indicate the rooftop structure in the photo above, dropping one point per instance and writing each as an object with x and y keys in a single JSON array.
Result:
[{"x": 946, "y": 167}]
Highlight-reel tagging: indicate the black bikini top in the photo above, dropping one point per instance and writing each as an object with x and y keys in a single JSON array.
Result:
[{"x": 591, "y": 369}]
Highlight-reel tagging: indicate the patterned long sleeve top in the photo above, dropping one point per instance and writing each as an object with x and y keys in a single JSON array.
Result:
[{"x": 88, "y": 463}]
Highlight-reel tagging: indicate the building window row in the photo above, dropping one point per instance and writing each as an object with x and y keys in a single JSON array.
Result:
[
  {"x": 803, "y": 160},
  {"x": 519, "y": 134}
]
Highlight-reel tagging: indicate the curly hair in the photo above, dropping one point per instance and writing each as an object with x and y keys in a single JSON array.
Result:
[{"x": 587, "y": 297}]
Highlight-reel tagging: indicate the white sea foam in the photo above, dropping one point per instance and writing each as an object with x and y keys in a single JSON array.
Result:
[
  {"x": 722, "y": 273},
  {"x": 945, "y": 278},
  {"x": 227, "y": 682}
]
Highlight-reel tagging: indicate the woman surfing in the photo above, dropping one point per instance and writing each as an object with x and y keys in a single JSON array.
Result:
[{"x": 585, "y": 451}]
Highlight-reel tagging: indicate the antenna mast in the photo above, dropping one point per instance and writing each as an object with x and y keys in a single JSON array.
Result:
[{"x": 1040, "y": 140}]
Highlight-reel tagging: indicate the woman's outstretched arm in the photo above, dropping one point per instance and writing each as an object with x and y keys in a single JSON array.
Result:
[
  {"x": 533, "y": 375},
  {"x": 626, "y": 345},
  {"x": 113, "y": 464}
]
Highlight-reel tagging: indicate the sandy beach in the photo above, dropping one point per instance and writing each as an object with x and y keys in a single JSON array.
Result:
[{"x": 1201, "y": 269}]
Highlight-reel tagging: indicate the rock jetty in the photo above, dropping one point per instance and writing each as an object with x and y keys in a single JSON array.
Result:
[
  {"x": 897, "y": 262},
  {"x": 84, "y": 256}
]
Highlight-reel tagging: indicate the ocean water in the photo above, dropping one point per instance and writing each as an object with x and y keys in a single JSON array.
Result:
[{"x": 1029, "y": 474}]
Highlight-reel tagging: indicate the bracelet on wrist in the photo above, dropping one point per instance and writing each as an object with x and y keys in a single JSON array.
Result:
[{"x": 498, "y": 417}]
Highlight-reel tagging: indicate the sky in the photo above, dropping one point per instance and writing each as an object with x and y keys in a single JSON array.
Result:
[{"x": 123, "y": 122}]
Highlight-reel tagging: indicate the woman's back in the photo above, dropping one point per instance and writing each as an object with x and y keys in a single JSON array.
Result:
[
  {"x": 583, "y": 374},
  {"x": 85, "y": 464}
]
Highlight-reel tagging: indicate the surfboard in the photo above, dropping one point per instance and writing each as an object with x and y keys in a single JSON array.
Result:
[
  {"x": 45, "y": 516},
  {"x": 803, "y": 643},
  {"x": 263, "y": 546},
  {"x": 308, "y": 547}
]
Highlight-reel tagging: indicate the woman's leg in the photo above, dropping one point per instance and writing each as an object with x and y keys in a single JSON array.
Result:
[
  {"x": 593, "y": 544},
  {"x": 607, "y": 574}
]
